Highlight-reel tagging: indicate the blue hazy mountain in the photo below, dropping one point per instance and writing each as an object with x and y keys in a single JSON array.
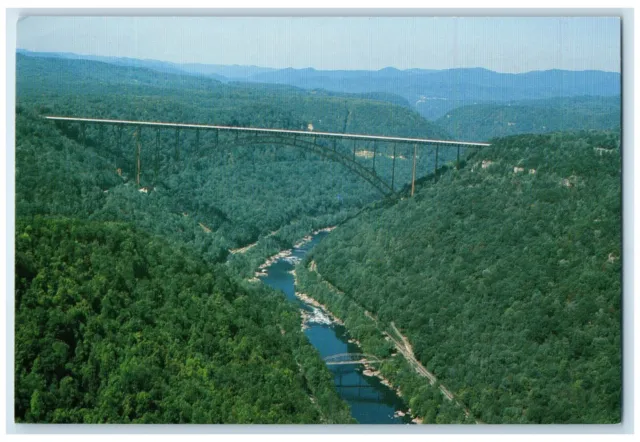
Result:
[
  {"x": 431, "y": 92},
  {"x": 232, "y": 72},
  {"x": 218, "y": 71}
]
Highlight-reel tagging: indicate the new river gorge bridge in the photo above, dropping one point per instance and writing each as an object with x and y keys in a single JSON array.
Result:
[{"x": 330, "y": 145}]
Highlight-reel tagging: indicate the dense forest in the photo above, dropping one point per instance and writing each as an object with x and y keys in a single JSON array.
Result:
[
  {"x": 139, "y": 319},
  {"x": 238, "y": 193},
  {"x": 117, "y": 326},
  {"x": 505, "y": 276},
  {"x": 131, "y": 304},
  {"x": 485, "y": 121}
]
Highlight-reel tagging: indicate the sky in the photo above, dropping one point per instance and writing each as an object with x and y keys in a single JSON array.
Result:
[{"x": 505, "y": 44}]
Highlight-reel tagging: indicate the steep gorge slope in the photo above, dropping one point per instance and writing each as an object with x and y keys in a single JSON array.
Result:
[
  {"x": 504, "y": 275},
  {"x": 239, "y": 193},
  {"x": 116, "y": 326},
  {"x": 122, "y": 314}
]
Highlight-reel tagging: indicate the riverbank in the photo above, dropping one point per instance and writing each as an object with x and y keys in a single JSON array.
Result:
[
  {"x": 430, "y": 404},
  {"x": 327, "y": 314},
  {"x": 270, "y": 260},
  {"x": 373, "y": 402},
  {"x": 245, "y": 259}
]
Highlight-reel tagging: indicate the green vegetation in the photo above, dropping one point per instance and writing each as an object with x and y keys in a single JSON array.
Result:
[
  {"x": 504, "y": 275},
  {"x": 122, "y": 314},
  {"x": 114, "y": 325},
  {"x": 485, "y": 121},
  {"x": 425, "y": 400},
  {"x": 130, "y": 307},
  {"x": 239, "y": 193}
]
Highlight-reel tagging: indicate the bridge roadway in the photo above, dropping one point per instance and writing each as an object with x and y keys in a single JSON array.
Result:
[
  {"x": 274, "y": 131},
  {"x": 351, "y": 359}
]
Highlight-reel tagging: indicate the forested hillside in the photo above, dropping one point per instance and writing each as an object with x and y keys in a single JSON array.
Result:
[
  {"x": 116, "y": 326},
  {"x": 221, "y": 197},
  {"x": 122, "y": 314},
  {"x": 505, "y": 276},
  {"x": 485, "y": 121}
]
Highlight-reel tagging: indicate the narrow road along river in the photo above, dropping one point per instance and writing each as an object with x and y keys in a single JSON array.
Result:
[{"x": 371, "y": 401}]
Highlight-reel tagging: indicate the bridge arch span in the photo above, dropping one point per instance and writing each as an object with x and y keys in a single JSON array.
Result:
[{"x": 326, "y": 152}]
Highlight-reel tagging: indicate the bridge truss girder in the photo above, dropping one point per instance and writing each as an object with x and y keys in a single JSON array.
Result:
[{"x": 319, "y": 143}]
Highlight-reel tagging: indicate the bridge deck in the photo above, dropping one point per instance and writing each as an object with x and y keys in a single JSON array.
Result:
[
  {"x": 353, "y": 362},
  {"x": 275, "y": 131}
]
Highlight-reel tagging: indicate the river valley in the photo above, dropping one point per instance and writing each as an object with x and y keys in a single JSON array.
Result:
[{"x": 370, "y": 400}]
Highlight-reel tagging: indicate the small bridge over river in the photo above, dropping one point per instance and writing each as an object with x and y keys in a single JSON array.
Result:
[
  {"x": 352, "y": 359},
  {"x": 339, "y": 147}
]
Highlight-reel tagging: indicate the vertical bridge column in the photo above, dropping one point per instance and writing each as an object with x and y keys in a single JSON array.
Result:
[
  {"x": 393, "y": 168},
  {"x": 177, "y": 152},
  {"x": 119, "y": 147},
  {"x": 413, "y": 174},
  {"x": 374, "y": 157},
  {"x": 138, "y": 149},
  {"x": 156, "y": 166},
  {"x": 83, "y": 133},
  {"x": 435, "y": 170},
  {"x": 101, "y": 134}
]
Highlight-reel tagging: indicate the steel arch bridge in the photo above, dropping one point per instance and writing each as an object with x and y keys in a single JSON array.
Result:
[
  {"x": 323, "y": 144},
  {"x": 352, "y": 359}
]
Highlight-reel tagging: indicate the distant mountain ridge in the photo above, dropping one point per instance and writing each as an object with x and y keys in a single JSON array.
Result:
[
  {"x": 431, "y": 92},
  {"x": 485, "y": 121},
  {"x": 223, "y": 73}
]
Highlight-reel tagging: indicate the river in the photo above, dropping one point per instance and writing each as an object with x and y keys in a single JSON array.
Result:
[{"x": 371, "y": 401}]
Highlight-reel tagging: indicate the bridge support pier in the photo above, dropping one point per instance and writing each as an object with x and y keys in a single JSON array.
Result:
[
  {"x": 413, "y": 174},
  {"x": 138, "y": 150},
  {"x": 393, "y": 168},
  {"x": 435, "y": 170},
  {"x": 83, "y": 134},
  {"x": 119, "y": 146},
  {"x": 374, "y": 156},
  {"x": 177, "y": 152},
  {"x": 458, "y": 159},
  {"x": 156, "y": 165},
  {"x": 354, "y": 150},
  {"x": 101, "y": 134}
]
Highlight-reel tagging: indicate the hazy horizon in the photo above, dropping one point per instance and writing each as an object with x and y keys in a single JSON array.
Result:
[
  {"x": 504, "y": 45},
  {"x": 308, "y": 67}
]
